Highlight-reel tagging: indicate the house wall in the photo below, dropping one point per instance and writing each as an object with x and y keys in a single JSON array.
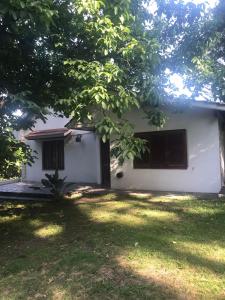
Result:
[
  {"x": 222, "y": 145},
  {"x": 204, "y": 170},
  {"x": 82, "y": 160}
]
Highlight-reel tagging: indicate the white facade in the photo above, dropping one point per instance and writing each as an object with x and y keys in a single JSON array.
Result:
[
  {"x": 205, "y": 156},
  {"x": 203, "y": 148},
  {"x": 82, "y": 160}
]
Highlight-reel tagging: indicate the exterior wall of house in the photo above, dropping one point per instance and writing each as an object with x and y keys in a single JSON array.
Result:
[
  {"x": 204, "y": 166},
  {"x": 222, "y": 146},
  {"x": 82, "y": 160}
]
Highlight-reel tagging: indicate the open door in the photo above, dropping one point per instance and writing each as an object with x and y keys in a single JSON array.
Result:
[{"x": 105, "y": 163}]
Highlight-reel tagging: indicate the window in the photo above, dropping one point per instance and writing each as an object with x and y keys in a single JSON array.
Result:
[
  {"x": 167, "y": 150},
  {"x": 53, "y": 155}
]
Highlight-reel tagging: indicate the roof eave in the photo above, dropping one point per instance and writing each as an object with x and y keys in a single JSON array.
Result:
[
  {"x": 48, "y": 136},
  {"x": 208, "y": 105}
]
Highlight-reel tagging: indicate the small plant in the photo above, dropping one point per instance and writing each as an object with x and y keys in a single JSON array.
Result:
[{"x": 56, "y": 185}]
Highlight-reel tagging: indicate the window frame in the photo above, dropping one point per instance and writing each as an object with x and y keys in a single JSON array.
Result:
[
  {"x": 62, "y": 166},
  {"x": 147, "y": 135}
]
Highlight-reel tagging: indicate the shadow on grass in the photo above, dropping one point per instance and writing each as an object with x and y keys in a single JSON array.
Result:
[{"x": 57, "y": 250}]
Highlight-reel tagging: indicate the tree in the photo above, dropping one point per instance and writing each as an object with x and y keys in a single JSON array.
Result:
[
  {"x": 90, "y": 60},
  {"x": 95, "y": 60},
  {"x": 22, "y": 24},
  {"x": 192, "y": 40},
  {"x": 206, "y": 54}
]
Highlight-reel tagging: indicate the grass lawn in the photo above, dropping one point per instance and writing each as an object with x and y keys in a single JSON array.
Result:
[{"x": 113, "y": 247}]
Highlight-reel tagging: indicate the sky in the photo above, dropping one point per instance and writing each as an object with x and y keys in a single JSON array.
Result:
[
  {"x": 18, "y": 113},
  {"x": 177, "y": 81},
  {"x": 210, "y": 3}
]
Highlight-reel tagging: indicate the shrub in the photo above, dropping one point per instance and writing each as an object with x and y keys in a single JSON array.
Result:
[{"x": 56, "y": 185}]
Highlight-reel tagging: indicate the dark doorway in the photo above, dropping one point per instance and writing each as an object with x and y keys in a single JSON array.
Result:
[{"x": 105, "y": 163}]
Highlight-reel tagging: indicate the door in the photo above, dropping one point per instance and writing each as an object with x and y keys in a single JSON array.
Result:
[{"x": 105, "y": 163}]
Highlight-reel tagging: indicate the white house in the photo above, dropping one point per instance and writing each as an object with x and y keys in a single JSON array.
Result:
[
  {"x": 187, "y": 154},
  {"x": 75, "y": 153}
]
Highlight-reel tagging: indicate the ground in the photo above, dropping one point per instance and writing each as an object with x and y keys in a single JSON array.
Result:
[{"x": 113, "y": 247}]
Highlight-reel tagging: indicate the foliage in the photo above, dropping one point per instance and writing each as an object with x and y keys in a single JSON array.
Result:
[
  {"x": 92, "y": 60},
  {"x": 192, "y": 43},
  {"x": 96, "y": 60},
  {"x": 21, "y": 25},
  {"x": 13, "y": 152},
  {"x": 113, "y": 70},
  {"x": 56, "y": 185},
  {"x": 206, "y": 57}
]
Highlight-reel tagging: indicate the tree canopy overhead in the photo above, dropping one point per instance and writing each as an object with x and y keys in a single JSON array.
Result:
[
  {"x": 96, "y": 59},
  {"x": 87, "y": 59},
  {"x": 205, "y": 59},
  {"x": 192, "y": 36}
]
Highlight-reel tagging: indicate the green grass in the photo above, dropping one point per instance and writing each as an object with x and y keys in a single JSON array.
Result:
[{"x": 113, "y": 247}]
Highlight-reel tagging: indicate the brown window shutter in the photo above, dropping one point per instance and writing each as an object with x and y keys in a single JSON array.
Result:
[
  {"x": 157, "y": 153},
  {"x": 53, "y": 155},
  {"x": 167, "y": 150},
  {"x": 144, "y": 161},
  {"x": 176, "y": 149}
]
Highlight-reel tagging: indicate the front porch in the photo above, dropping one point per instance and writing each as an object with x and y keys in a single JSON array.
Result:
[{"x": 31, "y": 190}]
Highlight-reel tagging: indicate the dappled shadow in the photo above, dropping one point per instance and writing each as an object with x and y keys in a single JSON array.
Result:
[
  {"x": 80, "y": 255},
  {"x": 58, "y": 248}
]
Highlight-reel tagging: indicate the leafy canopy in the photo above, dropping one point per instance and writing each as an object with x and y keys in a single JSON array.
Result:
[
  {"x": 95, "y": 60},
  {"x": 90, "y": 60},
  {"x": 206, "y": 54},
  {"x": 192, "y": 42},
  {"x": 22, "y": 23}
]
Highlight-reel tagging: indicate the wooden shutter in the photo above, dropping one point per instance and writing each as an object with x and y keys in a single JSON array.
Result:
[
  {"x": 53, "y": 155},
  {"x": 168, "y": 150},
  {"x": 143, "y": 162},
  {"x": 176, "y": 149},
  {"x": 157, "y": 150}
]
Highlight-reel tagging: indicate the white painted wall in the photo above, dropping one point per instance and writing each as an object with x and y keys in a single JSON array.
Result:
[
  {"x": 222, "y": 147},
  {"x": 204, "y": 170},
  {"x": 82, "y": 160}
]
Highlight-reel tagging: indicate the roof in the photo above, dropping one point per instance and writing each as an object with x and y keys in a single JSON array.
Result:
[
  {"x": 209, "y": 105},
  {"x": 72, "y": 124},
  {"x": 48, "y": 134}
]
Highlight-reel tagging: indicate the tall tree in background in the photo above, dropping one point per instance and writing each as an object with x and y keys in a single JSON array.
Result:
[
  {"x": 22, "y": 24},
  {"x": 192, "y": 40},
  {"x": 205, "y": 59}
]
